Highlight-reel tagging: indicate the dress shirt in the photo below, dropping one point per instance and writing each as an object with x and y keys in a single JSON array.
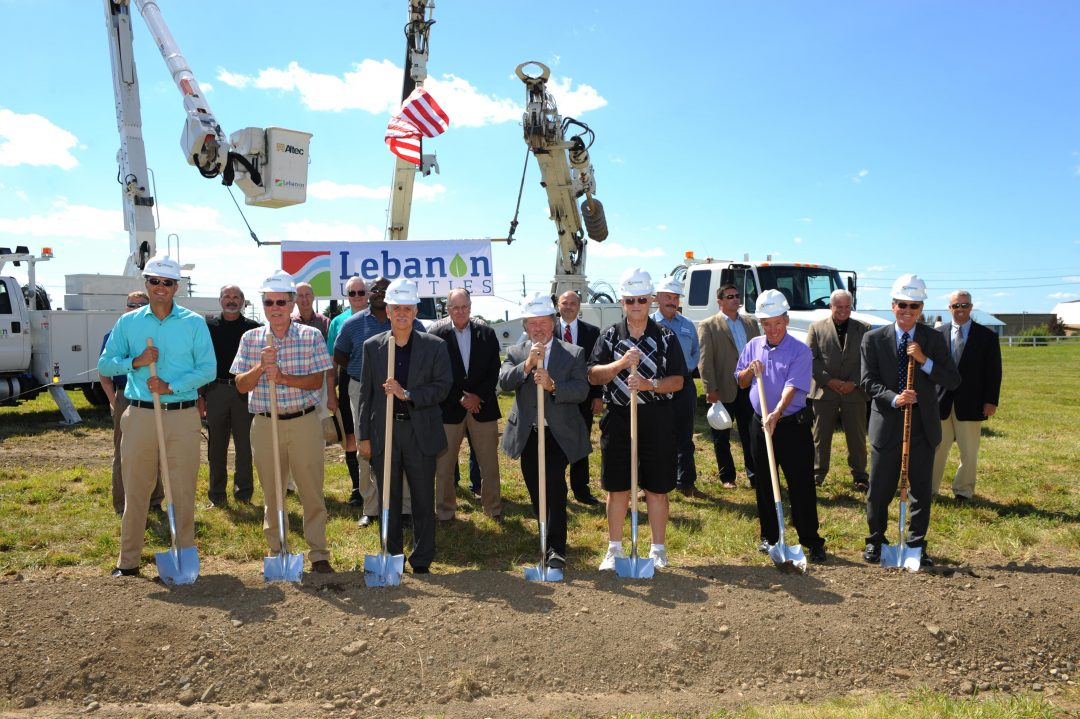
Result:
[
  {"x": 573, "y": 331},
  {"x": 738, "y": 332},
  {"x": 686, "y": 332},
  {"x": 464, "y": 343},
  {"x": 300, "y": 353}
]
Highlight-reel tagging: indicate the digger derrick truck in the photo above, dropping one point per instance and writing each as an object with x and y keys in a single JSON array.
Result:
[{"x": 44, "y": 348}]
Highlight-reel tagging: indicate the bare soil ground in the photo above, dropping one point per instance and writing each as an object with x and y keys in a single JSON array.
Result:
[{"x": 489, "y": 644}]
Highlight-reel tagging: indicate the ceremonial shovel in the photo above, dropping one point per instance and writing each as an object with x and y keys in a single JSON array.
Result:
[
  {"x": 384, "y": 569},
  {"x": 787, "y": 558},
  {"x": 175, "y": 565},
  {"x": 542, "y": 572},
  {"x": 634, "y": 567},
  {"x": 902, "y": 556},
  {"x": 284, "y": 567}
]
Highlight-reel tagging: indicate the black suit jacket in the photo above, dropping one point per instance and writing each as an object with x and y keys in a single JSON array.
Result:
[
  {"x": 879, "y": 380},
  {"x": 481, "y": 376},
  {"x": 586, "y": 339},
  {"x": 980, "y": 374}
]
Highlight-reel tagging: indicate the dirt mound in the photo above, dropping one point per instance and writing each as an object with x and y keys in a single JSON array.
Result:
[{"x": 481, "y": 643}]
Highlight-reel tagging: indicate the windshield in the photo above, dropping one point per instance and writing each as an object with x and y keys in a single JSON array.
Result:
[{"x": 806, "y": 288}]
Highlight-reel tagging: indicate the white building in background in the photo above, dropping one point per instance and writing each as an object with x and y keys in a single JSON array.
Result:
[{"x": 1069, "y": 314}]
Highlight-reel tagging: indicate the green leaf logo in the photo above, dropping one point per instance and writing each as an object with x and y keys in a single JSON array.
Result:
[{"x": 458, "y": 268}]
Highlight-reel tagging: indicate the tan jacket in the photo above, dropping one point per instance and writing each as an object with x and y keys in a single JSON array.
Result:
[
  {"x": 832, "y": 362},
  {"x": 719, "y": 355}
]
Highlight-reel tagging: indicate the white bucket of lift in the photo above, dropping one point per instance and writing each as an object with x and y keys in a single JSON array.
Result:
[{"x": 284, "y": 166}]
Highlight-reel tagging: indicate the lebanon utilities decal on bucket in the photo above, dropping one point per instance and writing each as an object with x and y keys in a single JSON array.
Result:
[{"x": 437, "y": 266}]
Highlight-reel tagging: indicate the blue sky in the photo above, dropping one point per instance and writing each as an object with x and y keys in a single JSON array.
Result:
[{"x": 882, "y": 137}]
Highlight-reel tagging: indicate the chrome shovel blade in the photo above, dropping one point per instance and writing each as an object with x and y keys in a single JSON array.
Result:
[
  {"x": 383, "y": 570},
  {"x": 284, "y": 567},
  {"x": 543, "y": 573},
  {"x": 178, "y": 566},
  {"x": 634, "y": 567},
  {"x": 787, "y": 558},
  {"x": 902, "y": 556}
]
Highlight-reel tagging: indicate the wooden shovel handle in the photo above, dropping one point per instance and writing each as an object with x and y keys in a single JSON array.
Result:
[{"x": 163, "y": 459}]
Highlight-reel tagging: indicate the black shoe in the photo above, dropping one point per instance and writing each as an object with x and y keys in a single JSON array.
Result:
[
  {"x": 555, "y": 560},
  {"x": 763, "y": 547},
  {"x": 244, "y": 501},
  {"x": 355, "y": 500},
  {"x": 367, "y": 520},
  {"x": 118, "y": 572},
  {"x": 322, "y": 567},
  {"x": 818, "y": 481},
  {"x": 872, "y": 553},
  {"x": 961, "y": 499},
  {"x": 691, "y": 491},
  {"x": 587, "y": 499},
  {"x": 927, "y": 560},
  {"x": 421, "y": 570},
  {"x": 860, "y": 486},
  {"x": 818, "y": 555}
]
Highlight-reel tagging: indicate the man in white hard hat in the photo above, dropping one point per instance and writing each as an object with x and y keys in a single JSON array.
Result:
[
  {"x": 977, "y": 354},
  {"x": 683, "y": 402},
  {"x": 885, "y": 354},
  {"x": 835, "y": 342},
  {"x": 185, "y": 361},
  {"x": 637, "y": 342},
  {"x": 294, "y": 358},
  {"x": 783, "y": 366},
  {"x": 421, "y": 381},
  {"x": 559, "y": 368}
]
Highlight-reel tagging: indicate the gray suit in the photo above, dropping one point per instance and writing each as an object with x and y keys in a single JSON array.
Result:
[
  {"x": 567, "y": 440},
  {"x": 831, "y": 361},
  {"x": 416, "y": 440}
]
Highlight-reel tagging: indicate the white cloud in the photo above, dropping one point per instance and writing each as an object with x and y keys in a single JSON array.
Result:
[
  {"x": 34, "y": 140},
  {"x": 233, "y": 79},
  {"x": 615, "y": 249},
  {"x": 206, "y": 87},
  {"x": 1002, "y": 294},
  {"x": 1071, "y": 278},
  {"x": 797, "y": 240},
  {"x": 616, "y": 160},
  {"x": 876, "y": 268},
  {"x": 65, "y": 221},
  {"x": 577, "y": 101},
  {"x": 467, "y": 106},
  {"x": 330, "y": 190},
  {"x": 661, "y": 228},
  {"x": 331, "y": 231},
  {"x": 194, "y": 223},
  {"x": 1062, "y": 295},
  {"x": 21, "y": 194},
  {"x": 806, "y": 220},
  {"x": 859, "y": 176}
]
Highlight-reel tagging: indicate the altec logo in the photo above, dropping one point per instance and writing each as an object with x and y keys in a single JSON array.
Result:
[{"x": 292, "y": 150}]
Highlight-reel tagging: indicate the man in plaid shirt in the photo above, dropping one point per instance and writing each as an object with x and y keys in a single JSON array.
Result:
[{"x": 294, "y": 357}]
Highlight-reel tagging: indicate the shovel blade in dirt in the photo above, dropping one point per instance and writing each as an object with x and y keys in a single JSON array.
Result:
[
  {"x": 285, "y": 567},
  {"x": 788, "y": 558},
  {"x": 542, "y": 572},
  {"x": 901, "y": 556},
  {"x": 383, "y": 570},
  {"x": 634, "y": 567},
  {"x": 177, "y": 565}
]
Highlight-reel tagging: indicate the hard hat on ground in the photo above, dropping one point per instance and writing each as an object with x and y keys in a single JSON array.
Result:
[
  {"x": 635, "y": 282},
  {"x": 771, "y": 303},
  {"x": 670, "y": 284},
  {"x": 538, "y": 304},
  {"x": 909, "y": 287},
  {"x": 162, "y": 266},
  {"x": 402, "y": 292},
  {"x": 280, "y": 281}
]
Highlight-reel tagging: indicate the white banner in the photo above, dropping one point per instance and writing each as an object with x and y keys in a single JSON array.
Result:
[{"x": 437, "y": 266}]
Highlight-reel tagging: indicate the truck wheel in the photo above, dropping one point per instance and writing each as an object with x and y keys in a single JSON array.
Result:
[{"x": 95, "y": 395}]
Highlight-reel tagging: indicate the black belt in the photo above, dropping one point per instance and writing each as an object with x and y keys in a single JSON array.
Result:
[
  {"x": 290, "y": 415},
  {"x": 803, "y": 416},
  {"x": 228, "y": 380},
  {"x": 401, "y": 417},
  {"x": 164, "y": 405}
]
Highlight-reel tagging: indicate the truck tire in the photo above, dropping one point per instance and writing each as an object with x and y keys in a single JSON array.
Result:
[{"x": 95, "y": 395}]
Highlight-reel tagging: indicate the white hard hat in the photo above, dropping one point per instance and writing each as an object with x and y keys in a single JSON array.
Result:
[
  {"x": 538, "y": 304},
  {"x": 635, "y": 282},
  {"x": 280, "y": 281},
  {"x": 402, "y": 292},
  {"x": 909, "y": 287},
  {"x": 162, "y": 266},
  {"x": 718, "y": 416},
  {"x": 670, "y": 284},
  {"x": 771, "y": 303}
]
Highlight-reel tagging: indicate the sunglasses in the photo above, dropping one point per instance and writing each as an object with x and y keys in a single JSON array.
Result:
[
  {"x": 960, "y": 306},
  {"x": 155, "y": 281},
  {"x": 136, "y": 305},
  {"x": 271, "y": 303},
  {"x": 909, "y": 305},
  {"x": 377, "y": 291},
  {"x": 731, "y": 297},
  {"x": 639, "y": 300},
  {"x": 357, "y": 293}
]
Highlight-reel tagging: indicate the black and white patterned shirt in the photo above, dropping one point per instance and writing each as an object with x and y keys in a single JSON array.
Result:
[{"x": 661, "y": 356}]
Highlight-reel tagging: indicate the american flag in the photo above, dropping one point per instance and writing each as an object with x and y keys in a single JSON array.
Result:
[{"x": 420, "y": 116}]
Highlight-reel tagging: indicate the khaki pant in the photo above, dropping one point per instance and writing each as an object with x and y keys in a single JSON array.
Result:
[
  {"x": 139, "y": 463},
  {"x": 484, "y": 439},
  {"x": 368, "y": 490},
  {"x": 967, "y": 436},
  {"x": 158, "y": 496},
  {"x": 300, "y": 452}
]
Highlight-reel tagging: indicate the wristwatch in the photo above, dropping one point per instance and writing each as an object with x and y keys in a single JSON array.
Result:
[
  {"x": 408, "y": 396},
  {"x": 655, "y": 383}
]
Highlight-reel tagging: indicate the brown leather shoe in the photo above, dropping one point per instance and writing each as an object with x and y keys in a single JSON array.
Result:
[{"x": 322, "y": 567}]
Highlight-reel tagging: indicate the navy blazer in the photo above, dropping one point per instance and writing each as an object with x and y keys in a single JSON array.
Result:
[{"x": 980, "y": 374}]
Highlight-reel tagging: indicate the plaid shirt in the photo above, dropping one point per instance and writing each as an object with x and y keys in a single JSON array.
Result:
[
  {"x": 302, "y": 352},
  {"x": 661, "y": 356}
]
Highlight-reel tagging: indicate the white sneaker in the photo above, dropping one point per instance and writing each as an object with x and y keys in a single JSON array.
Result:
[
  {"x": 609, "y": 559},
  {"x": 659, "y": 558}
]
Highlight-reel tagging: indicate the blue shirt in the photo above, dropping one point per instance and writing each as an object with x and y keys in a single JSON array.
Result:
[
  {"x": 335, "y": 329},
  {"x": 738, "y": 332},
  {"x": 929, "y": 366},
  {"x": 185, "y": 353},
  {"x": 685, "y": 330},
  {"x": 788, "y": 364},
  {"x": 357, "y": 330}
]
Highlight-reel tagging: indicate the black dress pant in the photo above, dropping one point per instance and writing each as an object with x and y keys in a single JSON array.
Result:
[
  {"x": 742, "y": 413},
  {"x": 885, "y": 478},
  {"x": 419, "y": 472},
  {"x": 793, "y": 447},
  {"x": 555, "y": 483},
  {"x": 227, "y": 416},
  {"x": 579, "y": 470},
  {"x": 684, "y": 408}
]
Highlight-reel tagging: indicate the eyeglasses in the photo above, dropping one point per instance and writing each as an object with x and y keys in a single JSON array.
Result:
[
  {"x": 136, "y": 305},
  {"x": 731, "y": 297},
  {"x": 640, "y": 300},
  {"x": 271, "y": 303},
  {"x": 378, "y": 290},
  {"x": 909, "y": 305},
  {"x": 357, "y": 293},
  {"x": 960, "y": 306},
  {"x": 155, "y": 281}
]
